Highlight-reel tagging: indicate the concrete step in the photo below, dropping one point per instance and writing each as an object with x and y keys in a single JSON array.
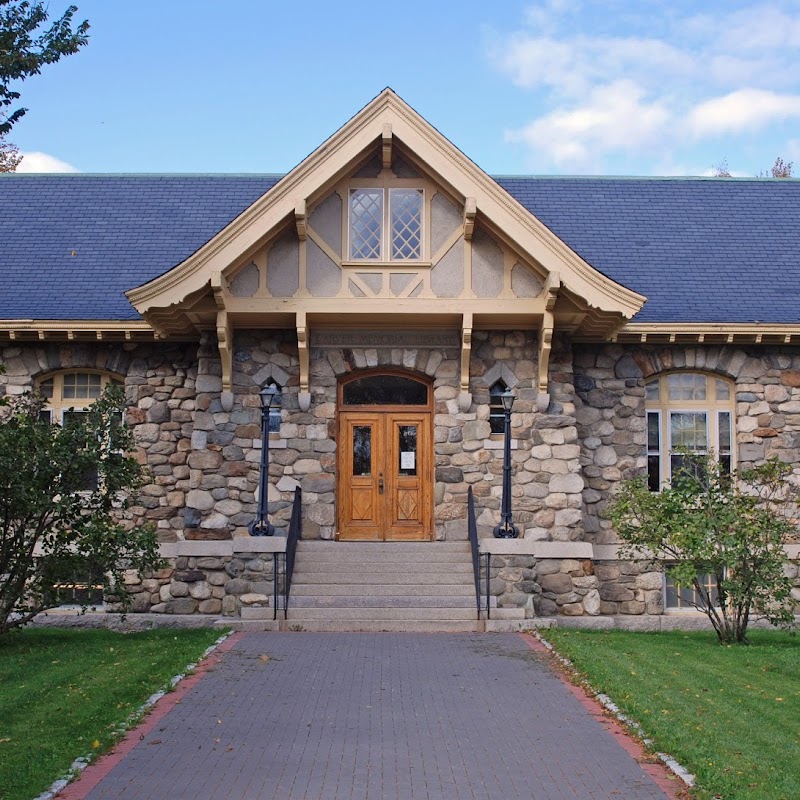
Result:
[
  {"x": 461, "y": 589},
  {"x": 388, "y": 614},
  {"x": 382, "y": 578},
  {"x": 381, "y": 601},
  {"x": 306, "y": 566},
  {"x": 507, "y": 613},
  {"x": 386, "y": 626},
  {"x": 319, "y": 545},
  {"x": 375, "y": 557}
]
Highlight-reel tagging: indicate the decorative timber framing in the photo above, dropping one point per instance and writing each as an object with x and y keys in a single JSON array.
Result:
[
  {"x": 470, "y": 212},
  {"x": 224, "y": 342},
  {"x": 546, "y": 326},
  {"x": 174, "y": 302},
  {"x": 304, "y": 395},
  {"x": 386, "y": 146}
]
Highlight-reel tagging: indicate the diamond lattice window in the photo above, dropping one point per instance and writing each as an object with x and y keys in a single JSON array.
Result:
[
  {"x": 405, "y": 206},
  {"x": 386, "y": 224},
  {"x": 366, "y": 223}
]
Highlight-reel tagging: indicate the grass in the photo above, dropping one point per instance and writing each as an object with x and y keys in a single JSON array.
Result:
[
  {"x": 730, "y": 715},
  {"x": 64, "y": 692}
]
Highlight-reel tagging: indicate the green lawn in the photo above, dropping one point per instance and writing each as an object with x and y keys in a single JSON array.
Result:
[
  {"x": 730, "y": 715},
  {"x": 63, "y": 692}
]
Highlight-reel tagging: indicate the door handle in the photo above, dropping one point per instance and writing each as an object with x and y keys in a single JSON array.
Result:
[{"x": 380, "y": 484}]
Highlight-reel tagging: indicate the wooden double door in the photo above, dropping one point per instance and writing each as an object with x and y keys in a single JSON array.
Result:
[{"x": 385, "y": 482}]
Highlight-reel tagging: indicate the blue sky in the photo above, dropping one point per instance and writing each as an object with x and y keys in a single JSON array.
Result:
[{"x": 556, "y": 87}]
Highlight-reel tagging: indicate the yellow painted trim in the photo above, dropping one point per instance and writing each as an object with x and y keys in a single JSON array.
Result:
[
  {"x": 707, "y": 333},
  {"x": 71, "y": 329},
  {"x": 357, "y": 136}
]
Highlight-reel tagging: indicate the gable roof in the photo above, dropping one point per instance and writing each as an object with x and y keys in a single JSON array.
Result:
[
  {"x": 721, "y": 250},
  {"x": 700, "y": 250},
  {"x": 71, "y": 245}
]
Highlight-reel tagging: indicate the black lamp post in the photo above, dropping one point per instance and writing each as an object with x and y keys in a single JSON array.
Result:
[
  {"x": 260, "y": 526},
  {"x": 506, "y": 529}
]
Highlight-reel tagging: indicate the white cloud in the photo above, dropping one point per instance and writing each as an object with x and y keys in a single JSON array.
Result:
[
  {"x": 571, "y": 66},
  {"x": 43, "y": 162},
  {"x": 745, "y": 109},
  {"x": 609, "y": 79},
  {"x": 616, "y": 117}
]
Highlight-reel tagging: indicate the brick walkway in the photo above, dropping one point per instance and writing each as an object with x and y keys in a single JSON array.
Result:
[{"x": 378, "y": 716}]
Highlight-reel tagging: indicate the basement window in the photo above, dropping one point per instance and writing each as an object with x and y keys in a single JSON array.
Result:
[{"x": 687, "y": 598}]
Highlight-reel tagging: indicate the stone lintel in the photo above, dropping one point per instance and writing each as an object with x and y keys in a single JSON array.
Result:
[
  {"x": 240, "y": 544},
  {"x": 259, "y": 544},
  {"x": 198, "y": 547}
]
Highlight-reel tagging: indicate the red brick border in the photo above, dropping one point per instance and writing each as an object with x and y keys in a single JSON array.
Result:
[
  {"x": 661, "y": 775},
  {"x": 97, "y": 770}
]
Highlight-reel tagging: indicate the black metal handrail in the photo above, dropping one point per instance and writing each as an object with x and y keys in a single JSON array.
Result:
[
  {"x": 295, "y": 531},
  {"x": 286, "y": 560},
  {"x": 472, "y": 527}
]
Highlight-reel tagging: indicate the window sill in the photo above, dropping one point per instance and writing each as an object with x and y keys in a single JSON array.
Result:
[{"x": 370, "y": 264}]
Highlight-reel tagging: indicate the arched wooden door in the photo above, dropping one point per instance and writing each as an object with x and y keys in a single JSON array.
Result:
[{"x": 385, "y": 464}]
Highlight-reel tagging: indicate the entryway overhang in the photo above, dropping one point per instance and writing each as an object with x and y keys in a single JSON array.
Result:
[{"x": 491, "y": 265}]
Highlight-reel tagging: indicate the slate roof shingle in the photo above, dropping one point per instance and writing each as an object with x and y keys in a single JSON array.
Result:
[{"x": 701, "y": 250}]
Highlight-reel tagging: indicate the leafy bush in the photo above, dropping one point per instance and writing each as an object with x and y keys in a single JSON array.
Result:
[
  {"x": 63, "y": 493},
  {"x": 732, "y": 527}
]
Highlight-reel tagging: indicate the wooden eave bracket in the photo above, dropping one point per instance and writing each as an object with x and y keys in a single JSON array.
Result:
[
  {"x": 386, "y": 145},
  {"x": 546, "y": 326},
  {"x": 304, "y": 394},
  {"x": 470, "y": 212},
  {"x": 300, "y": 220},
  {"x": 465, "y": 396},
  {"x": 224, "y": 342}
]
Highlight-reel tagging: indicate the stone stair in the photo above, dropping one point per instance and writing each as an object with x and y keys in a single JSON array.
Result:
[{"x": 382, "y": 586}]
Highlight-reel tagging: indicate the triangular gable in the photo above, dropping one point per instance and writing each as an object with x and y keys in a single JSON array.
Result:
[
  {"x": 571, "y": 295},
  {"x": 389, "y": 116}
]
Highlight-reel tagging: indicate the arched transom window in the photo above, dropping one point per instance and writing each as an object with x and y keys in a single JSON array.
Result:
[
  {"x": 689, "y": 411},
  {"x": 72, "y": 392}
]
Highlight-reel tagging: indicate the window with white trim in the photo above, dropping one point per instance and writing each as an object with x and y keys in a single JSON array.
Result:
[
  {"x": 386, "y": 224},
  {"x": 687, "y": 411}
]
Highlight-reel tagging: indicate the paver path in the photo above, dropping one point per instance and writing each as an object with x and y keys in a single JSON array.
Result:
[{"x": 378, "y": 716}]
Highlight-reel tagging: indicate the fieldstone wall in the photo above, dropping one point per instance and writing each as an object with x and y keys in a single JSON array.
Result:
[
  {"x": 567, "y": 461},
  {"x": 202, "y": 585},
  {"x": 609, "y": 382}
]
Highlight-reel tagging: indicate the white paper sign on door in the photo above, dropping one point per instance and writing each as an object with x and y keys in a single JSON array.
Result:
[{"x": 407, "y": 460}]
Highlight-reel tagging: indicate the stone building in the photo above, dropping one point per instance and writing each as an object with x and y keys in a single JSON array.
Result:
[{"x": 392, "y": 290}]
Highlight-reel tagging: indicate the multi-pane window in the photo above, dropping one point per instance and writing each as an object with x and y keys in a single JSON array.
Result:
[
  {"x": 71, "y": 393},
  {"x": 688, "y": 597},
  {"x": 687, "y": 412},
  {"x": 386, "y": 224}
]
